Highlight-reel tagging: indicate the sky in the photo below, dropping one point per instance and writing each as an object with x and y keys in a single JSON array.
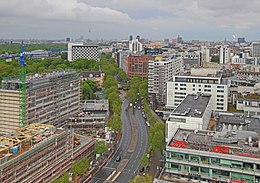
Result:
[{"x": 117, "y": 19}]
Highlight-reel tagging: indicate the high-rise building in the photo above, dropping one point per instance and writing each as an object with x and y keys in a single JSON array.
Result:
[
  {"x": 131, "y": 38},
  {"x": 79, "y": 50},
  {"x": 51, "y": 98},
  {"x": 205, "y": 54},
  {"x": 160, "y": 71},
  {"x": 135, "y": 46},
  {"x": 224, "y": 54},
  {"x": 137, "y": 65},
  {"x": 182, "y": 85},
  {"x": 256, "y": 49}
]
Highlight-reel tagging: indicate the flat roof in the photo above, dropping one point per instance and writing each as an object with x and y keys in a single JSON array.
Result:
[
  {"x": 194, "y": 105},
  {"x": 237, "y": 143}
]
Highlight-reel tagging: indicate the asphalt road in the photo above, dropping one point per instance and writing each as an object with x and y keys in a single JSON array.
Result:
[{"x": 132, "y": 167}]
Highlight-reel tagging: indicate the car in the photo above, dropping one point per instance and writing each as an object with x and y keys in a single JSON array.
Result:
[
  {"x": 141, "y": 170},
  {"x": 118, "y": 158},
  {"x": 139, "y": 107}
]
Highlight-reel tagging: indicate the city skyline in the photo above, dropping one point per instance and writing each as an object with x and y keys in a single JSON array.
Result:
[{"x": 153, "y": 19}]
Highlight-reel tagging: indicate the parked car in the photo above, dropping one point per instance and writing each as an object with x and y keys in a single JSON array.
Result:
[{"x": 118, "y": 158}]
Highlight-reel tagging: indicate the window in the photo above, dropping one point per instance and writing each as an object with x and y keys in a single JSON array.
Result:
[
  {"x": 220, "y": 104},
  {"x": 220, "y": 86},
  {"x": 183, "y": 88},
  {"x": 222, "y": 91},
  {"x": 176, "y": 88},
  {"x": 193, "y": 85},
  {"x": 206, "y": 90},
  {"x": 220, "y": 100},
  {"x": 183, "y": 84},
  {"x": 220, "y": 108},
  {"x": 178, "y": 120},
  {"x": 176, "y": 84},
  {"x": 220, "y": 96}
]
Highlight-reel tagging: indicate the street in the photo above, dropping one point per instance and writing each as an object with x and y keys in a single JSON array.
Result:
[{"x": 129, "y": 118}]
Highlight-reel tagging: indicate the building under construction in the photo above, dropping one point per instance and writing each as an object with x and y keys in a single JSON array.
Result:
[
  {"x": 40, "y": 153},
  {"x": 51, "y": 98},
  {"x": 92, "y": 116}
]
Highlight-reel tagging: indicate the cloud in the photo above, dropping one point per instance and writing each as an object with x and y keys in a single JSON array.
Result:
[
  {"x": 71, "y": 10},
  {"x": 116, "y": 18}
]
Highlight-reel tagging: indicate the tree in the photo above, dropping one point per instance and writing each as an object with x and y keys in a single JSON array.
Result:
[
  {"x": 215, "y": 58},
  {"x": 115, "y": 122},
  {"x": 157, "y": 136},
  {"x": 121, "y": 75},
  {"x": 80, "y": 167},
  {"x": 143, "y": 89},
  {"x": 144, "y": 161},
  {"x": 110, "y": 82},
  {"x": 63, "y": 179},
  {"x": 142, "y": 179},
  {"x": 100, "y": 147}
]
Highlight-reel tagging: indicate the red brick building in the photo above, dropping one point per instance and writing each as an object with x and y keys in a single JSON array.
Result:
[{"x": 137, "y": 65}]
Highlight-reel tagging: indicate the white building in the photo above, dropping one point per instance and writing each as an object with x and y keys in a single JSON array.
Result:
[
  {"x": 194, "y": 112},
  {"x": 181, "y": 86},
  {"x": 79, "y": 50},
  {"x": 160, "y": 71},
  {"x": 224, "y": 54},
  {"x": 135, "y": 46}
]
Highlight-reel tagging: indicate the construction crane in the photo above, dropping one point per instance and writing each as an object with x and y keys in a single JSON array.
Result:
[{"x": 23, "y": 87}]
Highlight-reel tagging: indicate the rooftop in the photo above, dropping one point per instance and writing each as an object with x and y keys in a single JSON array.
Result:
[
  {"x": 193, "y": 105},
  {"x": 21, "y": 140},
  {"x": 239, "y": 142},
  {"x": 35, "y": 77}
]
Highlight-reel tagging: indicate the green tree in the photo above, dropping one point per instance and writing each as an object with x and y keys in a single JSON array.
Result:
[
  {"x": 110, "y": 82},
  {"x": 142, "y": 179},
  {"x": 157, "y": 136},
  {"x": 115, "y": 122},
  {"x": 144, "y": 161},
  {"x": 80, "y": 167},
  {"x": 100, "y": 147},
  {"x": 215, "y": 58},
  {"x": 63, "y": 179}
]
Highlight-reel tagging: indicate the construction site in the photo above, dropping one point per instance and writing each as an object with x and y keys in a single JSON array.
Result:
[
  {"x": 51, "y": 98},
  {"x": 92, "y": 116},
  {"x": 40, "y": 153}
]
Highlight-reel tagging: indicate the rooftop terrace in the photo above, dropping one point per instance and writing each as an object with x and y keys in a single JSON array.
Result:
[{"x": 225, "y": 142}]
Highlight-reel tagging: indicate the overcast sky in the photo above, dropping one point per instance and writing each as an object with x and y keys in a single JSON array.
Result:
[{"x": 152, "y": 19}]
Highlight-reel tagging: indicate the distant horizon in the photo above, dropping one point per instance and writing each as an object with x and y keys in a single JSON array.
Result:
[
  {"x": 152, "y": 19},
  {"x": 116, "y": 39}
]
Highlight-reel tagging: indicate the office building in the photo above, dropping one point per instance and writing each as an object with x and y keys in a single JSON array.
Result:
[
  {"x": 51, "y": 98},
  {"x": 256, "y": 49},
  {"x": 137, "y": 65},
  {"x": 209, "y": 156},
  {"x": 182, "y": 85},
  {"x": 160, "y": 71},
  {"x": 194, "y": 112},
  {"x": 80, "y": 51},
  {"x": 224, "y": 54},
  {"x": 40, "y": 153}
]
